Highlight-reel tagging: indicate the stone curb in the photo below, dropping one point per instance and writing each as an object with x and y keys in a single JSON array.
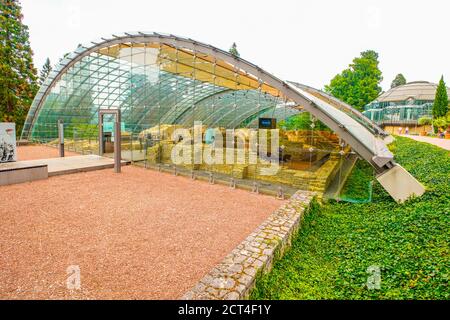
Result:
[{"x": 235, "y": 276}]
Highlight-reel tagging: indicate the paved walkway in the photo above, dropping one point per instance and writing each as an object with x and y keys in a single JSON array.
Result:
[
  {"x": 442, "y": 143},
  {"x": 61, "y": 166}
]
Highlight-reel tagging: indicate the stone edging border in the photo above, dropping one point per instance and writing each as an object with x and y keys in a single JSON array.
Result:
[{"x": 235, "y": 276}]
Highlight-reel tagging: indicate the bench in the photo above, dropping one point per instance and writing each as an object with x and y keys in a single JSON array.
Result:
[{"x": 16, "y": 172}]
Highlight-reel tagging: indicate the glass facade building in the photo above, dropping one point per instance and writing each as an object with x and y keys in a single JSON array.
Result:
[
  {"x": 163, "y": 83},
  {"x": 403, "y": 105}
]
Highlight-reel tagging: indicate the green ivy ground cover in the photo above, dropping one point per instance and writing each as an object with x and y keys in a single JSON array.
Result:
[
  {"x": 359, "y": 185},
  {"x": 338, "y": 242}
]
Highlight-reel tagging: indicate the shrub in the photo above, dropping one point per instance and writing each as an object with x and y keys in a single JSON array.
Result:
[
  {"x": 302, "y": 121},
  {"x": 425, "y": 121},
  {"x": 440, "y": 122}
]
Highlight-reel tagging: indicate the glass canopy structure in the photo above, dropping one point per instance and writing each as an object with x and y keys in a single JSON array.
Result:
[
  {"x": 403, "y": 105},
  {"x": 162, "y": 82},
  {"x": 153, "y": 84}
]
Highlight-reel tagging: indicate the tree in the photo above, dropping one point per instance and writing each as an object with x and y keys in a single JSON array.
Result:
[
  {"x": 423, "y": 121},
  {"x": 398, "y": 81},
  {"x": 46, "y": 69},
  {"x": 234, "y": 51},
  {"x": 302, "y": 121},
  {"x": 17, "y": 73},
  {"x": 440, "y": 106},
  {"x": 68, "y": 54},
  {"x": 63, "y": 57},
  {"x": 360, "y": 83}
]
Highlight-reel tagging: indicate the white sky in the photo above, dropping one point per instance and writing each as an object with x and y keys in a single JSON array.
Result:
[{"x": 304, "y": 41}]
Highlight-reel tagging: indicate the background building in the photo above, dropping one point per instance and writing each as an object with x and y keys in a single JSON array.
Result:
[{"x": 403, "y": 106}]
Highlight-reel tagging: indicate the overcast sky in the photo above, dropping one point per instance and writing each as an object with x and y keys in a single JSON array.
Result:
[{"x": 304, "y": 41}]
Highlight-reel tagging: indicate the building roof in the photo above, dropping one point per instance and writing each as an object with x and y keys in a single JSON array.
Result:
[
  {"x": 157, "y": 79},
  {"x": 418, "y": 90}
]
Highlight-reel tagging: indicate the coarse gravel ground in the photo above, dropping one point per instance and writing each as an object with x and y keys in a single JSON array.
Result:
[{"x": 141, "y": 234}]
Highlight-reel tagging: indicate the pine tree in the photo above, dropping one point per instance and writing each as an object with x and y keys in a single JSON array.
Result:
[
  {"x": 440, "y": 106},
  {"x": 398, "y": 81},
  {"x": 234, "y": 51},
  {"x": 46, "y": 69},
  {"x": 17, "y": 73}
]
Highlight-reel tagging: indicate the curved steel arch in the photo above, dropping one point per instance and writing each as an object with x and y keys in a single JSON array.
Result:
[
  {"x": 368, "y": 145},
  {"x": 346, "y": 108}
]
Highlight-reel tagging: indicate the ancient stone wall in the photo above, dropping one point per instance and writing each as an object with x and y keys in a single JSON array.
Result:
[{"x": 235, "y": 276}]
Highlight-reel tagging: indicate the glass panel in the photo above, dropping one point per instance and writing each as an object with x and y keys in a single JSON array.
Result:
[{"x": 161, "y": 89}]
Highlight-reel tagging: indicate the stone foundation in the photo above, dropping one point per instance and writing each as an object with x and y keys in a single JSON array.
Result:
[
  {"x": 316, "y": 180},
  {"x": 312, "y": 179}
]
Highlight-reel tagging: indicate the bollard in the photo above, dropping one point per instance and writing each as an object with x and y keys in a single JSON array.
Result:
[
  {"x": 117, "y": 147},
  {"x": 61, "y": 138},
  {"x": 255, "y": 187},
  {"x": 280, "y": 195}
]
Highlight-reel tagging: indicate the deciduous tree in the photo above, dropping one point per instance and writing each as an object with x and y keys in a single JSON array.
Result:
[
  {"x": 398, "y": 81},
  {"x": 359, "y": 84}
]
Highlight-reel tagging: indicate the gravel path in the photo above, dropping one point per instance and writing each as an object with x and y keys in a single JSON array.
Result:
[
  {"x": 138, "y": 235},
  {"x": 40, "y": 152},
  {"x": 442, "y": 143}
]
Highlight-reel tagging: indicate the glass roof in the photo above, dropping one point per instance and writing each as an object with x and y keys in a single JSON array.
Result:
[
  {"x": 370, "y": 141},
  {"x": 160, "y": 79},
  {"x": 156, "y": 84}
]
